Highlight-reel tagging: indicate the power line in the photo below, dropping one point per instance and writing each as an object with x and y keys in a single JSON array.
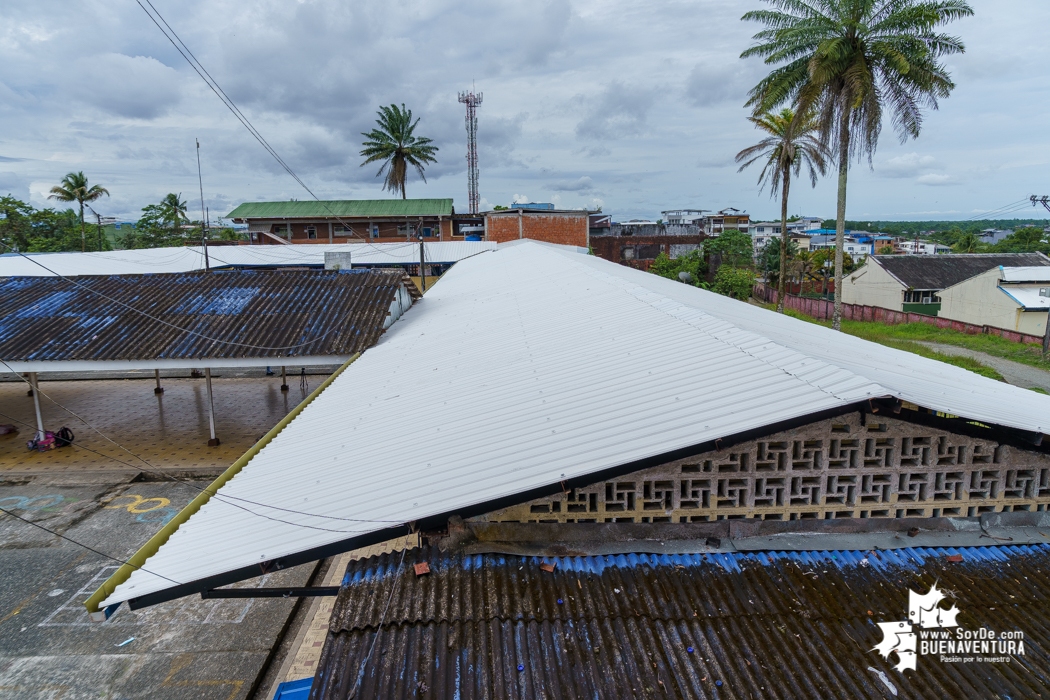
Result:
[
  {"x": 200, "y": 70},
  {"x": 215, "y": 494},
  {"x": 90, "y": 549},
  {"x": 167, "y": 323}
]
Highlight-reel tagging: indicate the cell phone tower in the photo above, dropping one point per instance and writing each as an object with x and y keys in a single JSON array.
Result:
[{"x": 472, "y": 100}]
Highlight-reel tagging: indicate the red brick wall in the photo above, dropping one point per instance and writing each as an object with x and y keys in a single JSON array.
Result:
[{"x": 564, "y": 229}]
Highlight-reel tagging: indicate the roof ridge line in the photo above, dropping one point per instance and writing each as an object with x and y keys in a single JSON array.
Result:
[{"x": 631, "y": 288}]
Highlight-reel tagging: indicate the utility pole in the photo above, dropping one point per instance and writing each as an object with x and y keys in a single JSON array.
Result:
[
  {"x": 422, "y": 260},
  {"x": 99, "y": 217},
  {"x": 204, "y": 214}
]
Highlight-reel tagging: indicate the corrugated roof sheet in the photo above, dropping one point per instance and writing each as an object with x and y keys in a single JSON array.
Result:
[
  {"x": 754, "y": 625},
  {"x": 191, "y": 258},
  {"x": 942, "y": 271},
  {"x": 228, "y": 314},
  {"x": 1028, "y": 298},
  {"x": 544, "y": 365},
  {"x": 342, "y": 207},
  {"x": 1026, "y": 274}
]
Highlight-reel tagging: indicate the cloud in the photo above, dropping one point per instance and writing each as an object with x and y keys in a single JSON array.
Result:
[
  {"x": 715, "y": 81},
  {"x": 617, "y": 111},
  {"x": 907, "y": 165},
  {"x": 935, "y": 179},
  {"x": 14, "y": 185},
  {"x": 520, "y": 199},
  {"x": 135, "y": 87},
  {"x": 583, "y": 184},
  {"x": 5, "y": 159}
]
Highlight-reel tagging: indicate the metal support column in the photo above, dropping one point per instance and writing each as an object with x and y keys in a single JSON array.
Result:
[
  {"x": 211, "y": 409},
  {"x": 159, "y": 389},
  {"x": 36, "y": 405},
  {"x": 284, "y": 379}
]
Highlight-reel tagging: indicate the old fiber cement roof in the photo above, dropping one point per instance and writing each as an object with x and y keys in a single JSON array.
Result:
[
  {"x": 49, "y": 321},
  {"x": 353, "y": 208},
  {"x": 722, "y": 625},
  {"x": 191, "y": 258},
  {"x": 942, "y": 271},
  {"x": 543, "y": 365}
]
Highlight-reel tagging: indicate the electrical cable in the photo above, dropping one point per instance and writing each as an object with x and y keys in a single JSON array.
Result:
[
  {"x": 379, "y": 629},
  {"x": 85, "y": 287},
  {"x": 999, "y": 211},
  {"x": 90, "y": 549},
  {"x": 214, "y": 494},
  {"x": 201, "y": 71}
]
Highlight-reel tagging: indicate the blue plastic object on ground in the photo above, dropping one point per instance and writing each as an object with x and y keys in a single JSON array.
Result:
[{"x": 294, "y": 690}]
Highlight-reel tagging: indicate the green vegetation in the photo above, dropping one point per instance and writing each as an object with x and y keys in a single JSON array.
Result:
[
  {"x": 736, "y": 282},
  {"x": 851, "y": 62},
  {"x": 790, "y": 144},
  {"x": 734, "y": 247},
  {"x": 692, "y": 263},
  {"x": 904, "y": 337},
  {"x": 396, "y": 146},
  {"x": 74, "y": 188},
  {"x": 31, "y": 230}
]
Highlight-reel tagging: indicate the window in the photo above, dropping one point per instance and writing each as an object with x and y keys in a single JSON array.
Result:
[
  {"x": 627, "y": 252},
  {"x": 311, "y": 232},
  {"x": 342, "y": 230},
  {"x": 427, "y": 232},
  {"x": 375, "y": 231}
]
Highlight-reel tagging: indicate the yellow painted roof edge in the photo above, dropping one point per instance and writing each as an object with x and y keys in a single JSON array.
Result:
[{"x": 154, "y": 543}]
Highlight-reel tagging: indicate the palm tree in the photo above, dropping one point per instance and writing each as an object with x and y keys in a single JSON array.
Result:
[
  {"x": 791, "y": 143},
  {"x": 74, "y": 188},
  {"x": 968, "y": 243},
  {"x": 848, "y": 60},
  {"x": 394, "y": 144},
  {"x": 174, "y": 211}
]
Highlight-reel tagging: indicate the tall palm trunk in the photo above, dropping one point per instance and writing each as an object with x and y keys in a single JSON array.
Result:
[
  {"x": 783, "y": 238},
  {"x": 840, "y": 214}
]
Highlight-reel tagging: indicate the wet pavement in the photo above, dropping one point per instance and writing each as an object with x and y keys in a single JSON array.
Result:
[
  {"x": 49, "y": 649},
  {"x": 121, "y": 425}
]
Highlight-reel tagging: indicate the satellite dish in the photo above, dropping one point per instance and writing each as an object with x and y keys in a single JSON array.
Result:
[{"x": 686, "y": 277}]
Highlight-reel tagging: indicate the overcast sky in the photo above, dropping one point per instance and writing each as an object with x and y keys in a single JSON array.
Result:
[{"x": 634, "y": 106}]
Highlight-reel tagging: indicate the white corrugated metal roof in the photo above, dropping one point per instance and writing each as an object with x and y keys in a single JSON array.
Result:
[
  {"x": 536, "y": 364},
  {"x": 1025, "y": 274},
  {"x": 189, "y": 258},
  {"x": 1027, "y": 298}
]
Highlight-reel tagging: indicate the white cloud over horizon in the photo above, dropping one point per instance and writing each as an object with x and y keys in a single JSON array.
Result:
[{"x": 638, "y": 107}]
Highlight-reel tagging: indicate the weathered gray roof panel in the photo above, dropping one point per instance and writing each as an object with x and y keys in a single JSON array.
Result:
[
  {"x": 741, "y": 625},
  {"x": 218, "y": 314},
  {"x": 942, "y": 271}
]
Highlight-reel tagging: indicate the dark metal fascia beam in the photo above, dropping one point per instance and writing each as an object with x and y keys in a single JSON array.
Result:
[{"x": 294, "y": 592}]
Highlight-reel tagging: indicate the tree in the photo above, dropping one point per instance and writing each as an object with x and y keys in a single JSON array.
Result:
[
  {"x": 735, "y": 248},
  {"x": 968, "y": 243},
  {"x": 173, "y": 211},
  {"x": 692, "y": 262},
  {"x": 885, "y": 250},
  {"x": 1029, "y": 239},
  {"x": 849, "y": 60},
  {"x": 735, "y": 282},
  {"x": 774, "y": 266},
  {"x": 74, "y": 188},
  {"x": 791, "y": 143},
  {"x": 394, "y": 144}
]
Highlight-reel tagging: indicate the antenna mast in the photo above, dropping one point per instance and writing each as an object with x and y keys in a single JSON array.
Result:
[{"x": 472, "y": 100}]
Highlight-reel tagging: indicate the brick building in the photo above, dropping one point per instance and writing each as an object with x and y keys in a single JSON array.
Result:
[
  {"x": 640, "y": 251},
  {"x": 564, "y": 227},
  {"x": 350, "y": 221}
]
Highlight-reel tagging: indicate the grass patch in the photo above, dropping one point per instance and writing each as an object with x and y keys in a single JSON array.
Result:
[{"x": 904, "y": 337}]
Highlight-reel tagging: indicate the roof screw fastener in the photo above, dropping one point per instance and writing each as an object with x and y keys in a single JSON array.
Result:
[
  {"x": 718, "y": 683},
  {"x": 689, "y": 649},
  {"x": 560, "y": 601},
  {"x": 521, "y": 667}
]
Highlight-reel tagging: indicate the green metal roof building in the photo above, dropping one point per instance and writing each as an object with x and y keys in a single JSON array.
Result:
[{"x": 347, "y": 220}]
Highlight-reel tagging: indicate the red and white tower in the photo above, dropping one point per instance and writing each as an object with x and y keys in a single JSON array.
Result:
[{"x": 472, "y": 100}]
